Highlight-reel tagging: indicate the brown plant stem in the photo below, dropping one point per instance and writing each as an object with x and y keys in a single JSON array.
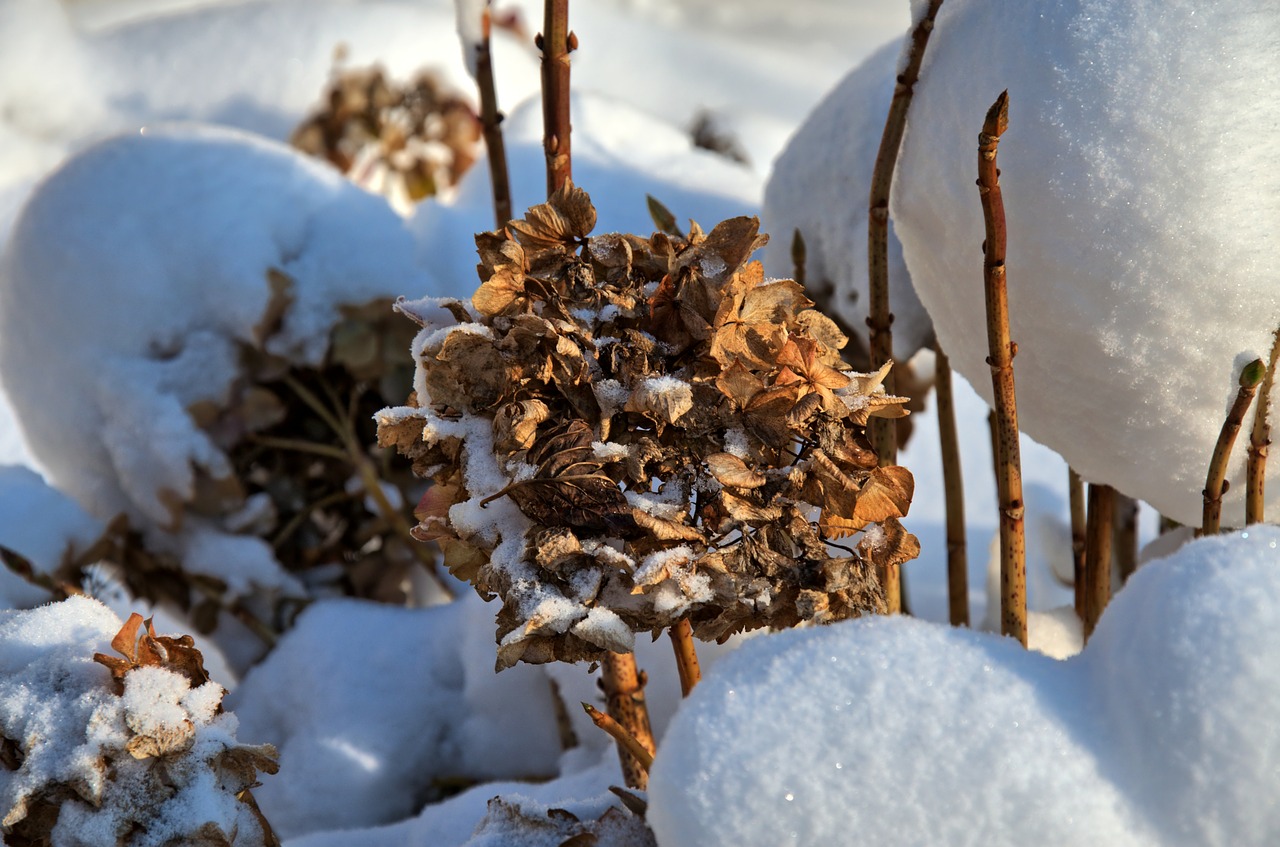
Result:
[
  {"x": 883, "y": 432},
  {"x": 626, "y": 741},
  {"x": 1075, "y": 493},
  {"x": 686, "y": 656},
  {"x": 491, "y": 125},
  {"x": 1126, "y": 535},
  {"x": 799, "y": 255},
  {"x": 556, "y": 42},
  {"x": 1215, "y": 485},
  {"x": 1097, "y": 557},
  {"x": 1013, "y": 566},
  {"x": 624, "y": 701},
  {"x": 953, "y": 487},
  {"x": 1259, "y": 442}
]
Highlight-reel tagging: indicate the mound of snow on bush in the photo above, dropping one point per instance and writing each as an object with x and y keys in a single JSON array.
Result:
[
  {"x": 895, "y": 731},
  {"x": 136, "y": 275},
  {"x": 1141, "y": 177}
]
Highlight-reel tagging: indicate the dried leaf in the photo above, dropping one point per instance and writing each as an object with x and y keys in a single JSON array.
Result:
[
  {"x": 564, "y": 219},
  {"x": 731, "y": 471},
  {"x": 886, "y": 494}
]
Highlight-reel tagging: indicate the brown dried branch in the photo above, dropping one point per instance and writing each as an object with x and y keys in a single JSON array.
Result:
[
  {"x": 799, "y": 255},
  {"x": 953, "y": 485},
  {"x": 556, "y": 43},
  {"x": 1075, "y": 486},
  {"x": 491, "y": 126},
  {"x": 880, "y": 320},
  {"x": 1215, "y": 485},
  {"x": 1097, "y": 571},
  {"x": 1259, "y": 442},
  {"x": 626, "y": 741},
  {"x": 1126, "y": 535},
  {"x": 624, "y": 699},
  {"x": 686, "y": 656},
  {"x": 1013, "y": 576}
]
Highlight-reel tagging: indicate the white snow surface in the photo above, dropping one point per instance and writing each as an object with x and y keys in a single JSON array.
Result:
[
  {"x": 897, "y": 731},
  {"x": 821, "y": 186},
  {"x": 370, "y": 705},
  {"x": 138, "y": 271},
  {"x": 1141, "y": 179}
]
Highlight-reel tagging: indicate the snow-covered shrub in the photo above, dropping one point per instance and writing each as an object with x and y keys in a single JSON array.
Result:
[
  {"x": 610, "y": 423},
  {"x": 194, "y": 331},
  {"x": 125, "y": 750},
  {"x": 894, "y": 731},
  {"x": 1141, "y": 180}
]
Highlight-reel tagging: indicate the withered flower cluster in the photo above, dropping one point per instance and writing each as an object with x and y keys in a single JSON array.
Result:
[
  {"x": 413, "y": 138},
  {"x": 624, "y": 432}
]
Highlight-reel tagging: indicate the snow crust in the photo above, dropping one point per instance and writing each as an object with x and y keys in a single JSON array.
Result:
[
  {"x": 44, "y": 526},
  {"x": 138, "y": 271},
  {"x": 1142, "y": 190},
  {"x": 898, "y": 731},
  {"x": 820, "y": 185}
]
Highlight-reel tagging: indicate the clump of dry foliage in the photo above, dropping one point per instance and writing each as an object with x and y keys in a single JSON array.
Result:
[
  {"x": 624, "y": 432},
  {"x": 408, "y": 139}
]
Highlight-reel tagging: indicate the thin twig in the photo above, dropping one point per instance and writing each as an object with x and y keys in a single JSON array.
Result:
[
  {"x": 1215, "y": 485},
  {"x": 556, "y": 43},
  {"x": 686, "y": 655},
  {"x": 1126, "y": 535},
  {"x": 491, "y": 124},
  {"x": 1075, "y": 488},
  {"x": 799, "y": 256},
  {"x": 1097, "y": 570},
  {"x": 298, "y": 445},
  {"x": 1259, "y": 442},
  {"x": 20, "y": 565},
  {"x": 626, "y": 741},
  {"x": 953, "y": 486},
  {"x": 1013, "y": 566},
  {"x": 624, "y": 697}
]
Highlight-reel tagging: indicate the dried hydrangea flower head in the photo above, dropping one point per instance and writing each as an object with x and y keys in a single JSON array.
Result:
[
  {"x": 407, "y": 140},
  {"x": 624, "y": 432}
]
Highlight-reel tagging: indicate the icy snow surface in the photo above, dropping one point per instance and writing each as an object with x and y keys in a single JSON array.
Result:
[
  {"x": 137, "y": 272},
  {"x": 897, "y": 731},
  {"x": 42, "y": 525},
  {"x": 1141, "y": 178}
]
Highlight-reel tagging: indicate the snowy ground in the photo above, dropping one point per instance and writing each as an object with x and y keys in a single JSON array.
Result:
[{"x": 367, "y": 728}]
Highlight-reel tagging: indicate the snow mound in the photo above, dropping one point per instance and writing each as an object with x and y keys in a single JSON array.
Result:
[
  {"x": 896, "y": 731},
  {"x": 373, "y": 708},
  {"x": 1141, "y": 177},
  {"x": 820, "y": 185},
  {"x": 139, "y": 273}
]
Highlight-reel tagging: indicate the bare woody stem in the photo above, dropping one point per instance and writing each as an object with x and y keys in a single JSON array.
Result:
[
  {"x": 1126, "y": 535},
  {"x": 686, "y": 656},
  {"x": 491, "y": 126},
  {"x": 1013, "y": 566},
  {"x": 1215, "y": 484},
  {"x": 799, "y": 256},
  {"x": 624, "y": 701},
  {"x": 556, "y": 42},
  {"x": 884, "y": 431},
  {"x": 1097, "y": 557},
  {"x": 619, "y": 733},
  {"x": 953, "y": 486},
  {"x": 1259, "y": 443},
  {"x": 1075, "y": 493}
]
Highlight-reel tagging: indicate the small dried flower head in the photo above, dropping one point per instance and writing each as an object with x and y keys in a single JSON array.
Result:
[{"x": 628, "y": 431}]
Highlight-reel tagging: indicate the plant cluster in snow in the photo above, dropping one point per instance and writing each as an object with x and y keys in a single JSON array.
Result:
[
  {"x": 408, "y": 141},
  {"x": 138, "y": 752},
  {"x": 610, "y": 425}
]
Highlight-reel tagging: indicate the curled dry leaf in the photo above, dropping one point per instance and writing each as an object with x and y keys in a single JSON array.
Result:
[{"x": 638, "y": 431}]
